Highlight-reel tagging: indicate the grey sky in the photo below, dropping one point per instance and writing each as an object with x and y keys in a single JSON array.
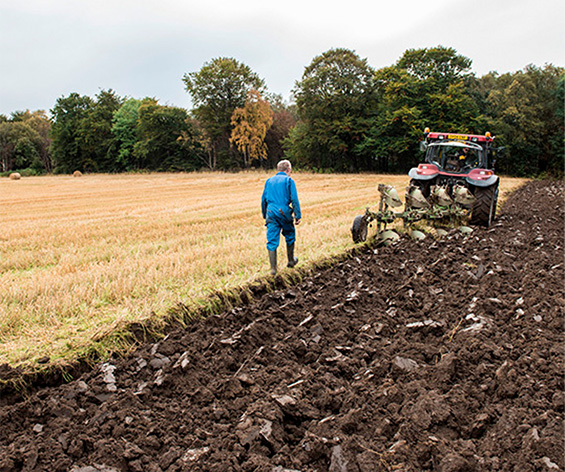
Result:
[{"x": 139, "y": 48}]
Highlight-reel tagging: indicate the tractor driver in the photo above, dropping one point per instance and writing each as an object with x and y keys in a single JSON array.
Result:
[
  {"x": 467, "y": 158},
  {"x": 278, "y": 204},
  {"x": 461, "y": 159}
]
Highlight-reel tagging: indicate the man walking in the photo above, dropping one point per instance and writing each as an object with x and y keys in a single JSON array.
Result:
[{"x": 278, "y": 204}]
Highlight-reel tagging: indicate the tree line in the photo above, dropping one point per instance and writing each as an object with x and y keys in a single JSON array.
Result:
[{"x": 345, "y": 116}]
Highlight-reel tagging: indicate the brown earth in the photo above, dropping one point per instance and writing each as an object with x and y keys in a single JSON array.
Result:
[{"x": 434, "y": 355}]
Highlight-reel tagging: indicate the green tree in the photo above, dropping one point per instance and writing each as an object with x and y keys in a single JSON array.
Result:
[
  {"x": 440, "y": 65},
  {"x": 124, "y": 129},
  {"x": 162, "y": 134},
  {"x": 425, "y": 88},
  {"x": 524, "y": 109},
  {"x": 335, "y": 100},
  {"x": 217, "y": 90},
  {"x": 41, "y": 124},
  {"x": 68, "y": 113},
  {"x": 95, "y": 137},
  {"x": 20, "y": 145},
  {"x": 250, "y": 125}
]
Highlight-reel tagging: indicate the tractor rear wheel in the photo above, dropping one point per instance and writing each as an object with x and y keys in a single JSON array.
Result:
[
  {"x": 484, "y": 208},
  {"x": 359, "y": 229}
]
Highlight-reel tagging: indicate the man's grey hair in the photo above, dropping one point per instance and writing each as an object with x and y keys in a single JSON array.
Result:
[{"x": 283, "y": 166}]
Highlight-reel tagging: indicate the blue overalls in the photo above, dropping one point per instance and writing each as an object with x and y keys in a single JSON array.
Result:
[{"x": 278, "y": 195}]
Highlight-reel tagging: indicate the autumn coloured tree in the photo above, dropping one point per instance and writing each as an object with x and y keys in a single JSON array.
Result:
[{"x": 250, "y": 125}]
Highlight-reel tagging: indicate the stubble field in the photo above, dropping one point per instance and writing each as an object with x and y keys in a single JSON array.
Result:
[{"x": 81, "y": 258}]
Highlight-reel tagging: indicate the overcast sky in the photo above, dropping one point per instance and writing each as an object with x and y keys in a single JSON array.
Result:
[{"x": 140, "y": 48}]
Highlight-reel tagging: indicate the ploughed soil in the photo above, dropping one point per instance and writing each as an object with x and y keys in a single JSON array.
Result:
[{"x": 442, "y": 355}]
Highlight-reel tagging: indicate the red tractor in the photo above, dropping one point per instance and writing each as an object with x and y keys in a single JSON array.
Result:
[
  {"x": 456, "y": 181},
  {"x": 460, "y": 160}
]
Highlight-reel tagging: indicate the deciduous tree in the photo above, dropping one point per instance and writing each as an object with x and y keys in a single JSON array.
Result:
[
  {"x": 160, "y": 139},
  {"x": 41, "y": 124},
  {"x": 124, "y": 129},
  {"x": 217, "y": 90},
  {"x": 425, "y": 88},
  {"x": 284, "y": 119},
  {"x": 20, "y": 145},
  {"x": 335, "y": 100},
  {"x": 68, "y": 113},
  {"x": 95, "y": 135},
  {"x": 250, "y": 125},
  {"x": 525, "y": 109}
]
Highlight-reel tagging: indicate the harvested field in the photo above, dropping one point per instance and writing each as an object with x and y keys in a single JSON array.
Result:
[
  {"x": 82, "y": 258},
  {"x": 434, "y": 355}
]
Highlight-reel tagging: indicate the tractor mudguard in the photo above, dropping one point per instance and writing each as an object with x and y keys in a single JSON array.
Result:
[
  {"x": 492, "y": 180},
  {"x": 413, "y": 174}
]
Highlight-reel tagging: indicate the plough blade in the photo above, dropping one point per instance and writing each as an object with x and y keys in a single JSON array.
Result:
[
  {"x": 390, "y": 196},
  {"x": 439, "y": 196},
  {"x": 463, "y": 197},
  {"x": 415, "y": 198}
]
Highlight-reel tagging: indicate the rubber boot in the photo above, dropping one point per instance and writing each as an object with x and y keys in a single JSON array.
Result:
[
  {"x": 292, "y": 261},
  {"x": 273, "y": 261}
]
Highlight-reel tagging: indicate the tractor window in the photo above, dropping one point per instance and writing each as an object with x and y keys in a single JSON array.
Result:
[{"x": 454, "y": 158}]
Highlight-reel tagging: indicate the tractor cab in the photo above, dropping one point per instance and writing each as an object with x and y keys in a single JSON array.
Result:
[{"x": 459, "y": 153}]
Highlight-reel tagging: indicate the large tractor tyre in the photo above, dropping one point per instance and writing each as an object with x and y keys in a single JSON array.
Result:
[
  {"x": 425, "y": 186},
  {"x": 484, "y": 207},
  {"x": 359, "y": 229}
]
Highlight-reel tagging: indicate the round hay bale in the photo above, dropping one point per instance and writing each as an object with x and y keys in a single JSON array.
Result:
[
  {"x": 15, "y": 176},
  {"x": 77, "y": 173}
]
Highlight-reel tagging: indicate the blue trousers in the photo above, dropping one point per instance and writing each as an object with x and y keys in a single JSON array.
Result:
[{"x": 277, "y": 223}]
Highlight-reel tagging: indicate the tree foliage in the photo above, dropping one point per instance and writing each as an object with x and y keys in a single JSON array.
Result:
[
  {"x": 24, "y": 142},
  {"x": 250, "y": 125},
  {"x": 425, "y": 88},
  {"x": 68, "y": 113},
  {"x": 95, "y": 137},
  {"x": 284, "y": 120},
  {"x": 526, "y": 110},
  {"x": 160, "y": 133},
  {"x": 335, "y": 101},
  {"x": 110, "y": 134},
  {"x": 124, "y": 130},
  {"x": 346, "y": 117},
  {"x": 439, "y": 66},
  {"x": 217, "y": 89}
]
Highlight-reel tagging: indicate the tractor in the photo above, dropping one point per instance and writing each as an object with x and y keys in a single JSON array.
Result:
[{"x": 456, "y": 181}]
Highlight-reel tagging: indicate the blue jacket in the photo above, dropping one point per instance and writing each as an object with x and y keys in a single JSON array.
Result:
[{"x": 280, "y": 196}]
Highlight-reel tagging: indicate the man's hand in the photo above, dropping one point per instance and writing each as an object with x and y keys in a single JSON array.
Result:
[{"x": 297, "y": 221}]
